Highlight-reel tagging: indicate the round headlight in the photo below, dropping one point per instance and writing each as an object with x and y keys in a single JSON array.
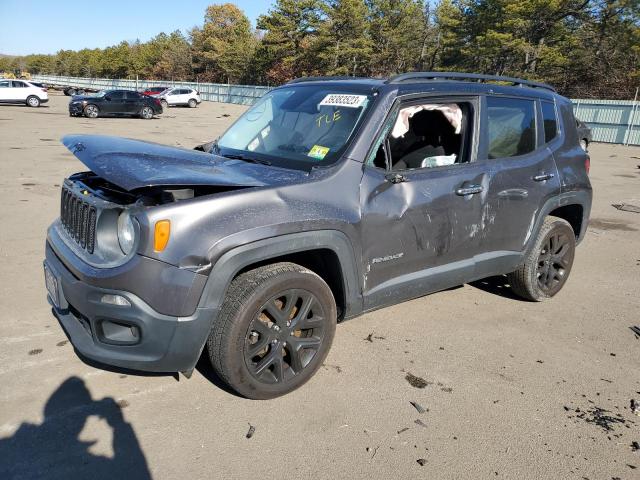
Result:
[{"x": 126, "y": 233}]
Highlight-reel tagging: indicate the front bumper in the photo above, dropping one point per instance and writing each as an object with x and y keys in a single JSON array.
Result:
[
  {"x": 75, "y": 108},
  {"x": 134, "y": 337}
]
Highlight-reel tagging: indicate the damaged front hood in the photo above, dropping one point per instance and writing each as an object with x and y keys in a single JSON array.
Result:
[{"x": 132, "y": 164}]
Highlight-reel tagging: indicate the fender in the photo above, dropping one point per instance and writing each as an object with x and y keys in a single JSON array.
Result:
[
  {"x": 229, "y": 264},
  {"x": 582, "y": 198}
]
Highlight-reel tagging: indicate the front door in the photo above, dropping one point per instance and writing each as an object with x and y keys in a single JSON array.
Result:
[
  {"x": 421, "y": 211},
  {"x": 5, "y": 91}
]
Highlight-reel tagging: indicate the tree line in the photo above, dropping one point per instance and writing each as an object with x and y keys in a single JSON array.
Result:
[{"x": 585, "y": 48}]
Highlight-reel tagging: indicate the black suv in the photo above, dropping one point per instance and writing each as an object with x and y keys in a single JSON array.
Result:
[{"x": 328, "y": 198}]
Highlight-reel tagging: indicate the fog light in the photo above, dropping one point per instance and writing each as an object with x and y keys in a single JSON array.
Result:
[{"x": 116, "y": 300}]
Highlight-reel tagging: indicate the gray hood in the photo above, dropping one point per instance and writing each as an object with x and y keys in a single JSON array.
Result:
[{"x": 132, "y": 164}]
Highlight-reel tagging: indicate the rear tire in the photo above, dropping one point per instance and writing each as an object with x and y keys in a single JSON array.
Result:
[
  {"x": 192, "y": 103},
  {"x": 274, "y": 330},
  {"x": 91, "y": 111},
  {"x": 146, "y": 113},
  {"x": 33, "y": 101},
  {"x": 547, "y": 266},
  {"x": 71, "y": 92}
]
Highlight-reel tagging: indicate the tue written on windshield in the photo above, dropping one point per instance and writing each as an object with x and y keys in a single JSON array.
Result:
[{"x": 297, "y": 126}]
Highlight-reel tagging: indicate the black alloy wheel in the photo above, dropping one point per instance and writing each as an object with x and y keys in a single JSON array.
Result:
[
  {"x": 546, "y": 267},
  {"x": 555, "y": 260},
  {"x": 274, "y": 330},
  {"x": 284, "y": 336}
]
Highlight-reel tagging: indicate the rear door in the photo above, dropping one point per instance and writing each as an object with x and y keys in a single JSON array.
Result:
[
  {"x": 19, "y": 90},
  {"x": 132, "y": 103},
  {"x": 522, "y": 176}
]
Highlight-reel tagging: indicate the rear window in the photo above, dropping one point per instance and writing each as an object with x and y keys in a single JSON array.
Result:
[
  {"x": 511, "y": 127},
  {"x": 550, "y": 121}
]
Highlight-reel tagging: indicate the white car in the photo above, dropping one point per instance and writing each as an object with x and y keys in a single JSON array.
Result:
[
  {"x": 179, "y": 96},
  {"x": 21, "y": 91}
]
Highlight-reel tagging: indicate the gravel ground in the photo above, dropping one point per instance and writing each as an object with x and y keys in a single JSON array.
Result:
[{"x": 510, "y": 389}]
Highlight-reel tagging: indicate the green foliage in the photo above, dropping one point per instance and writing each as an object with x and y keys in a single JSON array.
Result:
[
  {"x": 586, "y": 48},
  {"x": 222, "y": 47},
  {"x": 287, "y": 47}
]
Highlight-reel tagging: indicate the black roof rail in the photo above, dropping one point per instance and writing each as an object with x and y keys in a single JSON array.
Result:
[
  {"x": 316, "y": 79},
  {"x": 478, "y": 77}
]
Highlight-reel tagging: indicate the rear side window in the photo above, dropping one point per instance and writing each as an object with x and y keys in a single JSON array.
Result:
[
  {"x": 133, "y": 95},
  {"x": 550, "y": 121},
  {"x": 511, "y": 127}
]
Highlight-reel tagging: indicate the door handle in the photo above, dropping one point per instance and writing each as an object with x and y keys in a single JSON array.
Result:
[
  {"x": 543, "y": 176},
  {"x": 470, "y": 190}
]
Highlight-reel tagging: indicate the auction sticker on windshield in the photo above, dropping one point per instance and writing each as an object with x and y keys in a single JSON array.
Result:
[
  {"x": 343, "y": 100},
  {"x": 318, "y": 152}
]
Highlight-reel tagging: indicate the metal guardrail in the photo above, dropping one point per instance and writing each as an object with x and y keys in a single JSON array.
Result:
[
  {"x": 611, "y": 121},
  {"x": 212, "y": 92}
]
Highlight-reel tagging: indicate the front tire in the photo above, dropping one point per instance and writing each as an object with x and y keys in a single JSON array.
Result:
[
  {"x": 33, "y": 101},
  {"x": 91, "y": 111},
  {"x": 146, "y": 113},
  {"x": 274, "y": 330},
  {"x": 548, "y": 264},
  {"x": 192, "y": 103},
  {"x": 164, "y": 104}
]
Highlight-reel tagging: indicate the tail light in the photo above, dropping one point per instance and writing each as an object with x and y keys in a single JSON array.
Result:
[
  {"x": 587, "y": 164},
  {"x": 157, "y": 102},
  {"x": 43, "y": 89}
]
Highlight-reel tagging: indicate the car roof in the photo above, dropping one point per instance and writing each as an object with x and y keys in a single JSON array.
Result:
[{"x": 435, "y": 82}]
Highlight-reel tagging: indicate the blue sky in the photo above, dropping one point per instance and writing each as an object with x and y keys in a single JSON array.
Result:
[{"x": 46, "y": 26}]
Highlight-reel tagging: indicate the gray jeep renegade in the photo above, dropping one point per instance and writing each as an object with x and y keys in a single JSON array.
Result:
[{"x": 328, "y": 198}]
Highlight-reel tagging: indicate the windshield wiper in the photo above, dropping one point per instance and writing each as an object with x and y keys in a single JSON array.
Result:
[{"x": 237, "y": 156}]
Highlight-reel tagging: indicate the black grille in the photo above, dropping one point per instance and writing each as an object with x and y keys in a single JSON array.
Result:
[{"x": 79, "y": 219}]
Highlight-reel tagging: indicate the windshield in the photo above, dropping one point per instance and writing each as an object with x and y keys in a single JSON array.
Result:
[{"x": 298, "y": 126}]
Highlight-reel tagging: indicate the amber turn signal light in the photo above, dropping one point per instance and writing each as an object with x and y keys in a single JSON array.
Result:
[{"x": 161, "y": 237}]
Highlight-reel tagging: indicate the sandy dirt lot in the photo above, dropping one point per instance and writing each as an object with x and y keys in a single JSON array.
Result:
[{"x": 514, "y": 389}]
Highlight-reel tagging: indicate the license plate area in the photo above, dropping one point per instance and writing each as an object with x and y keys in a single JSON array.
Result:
[{"x": 51, "y": 283}]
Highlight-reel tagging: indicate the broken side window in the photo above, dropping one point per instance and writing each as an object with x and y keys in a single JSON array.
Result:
[{"x": 430, "y": 135}]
